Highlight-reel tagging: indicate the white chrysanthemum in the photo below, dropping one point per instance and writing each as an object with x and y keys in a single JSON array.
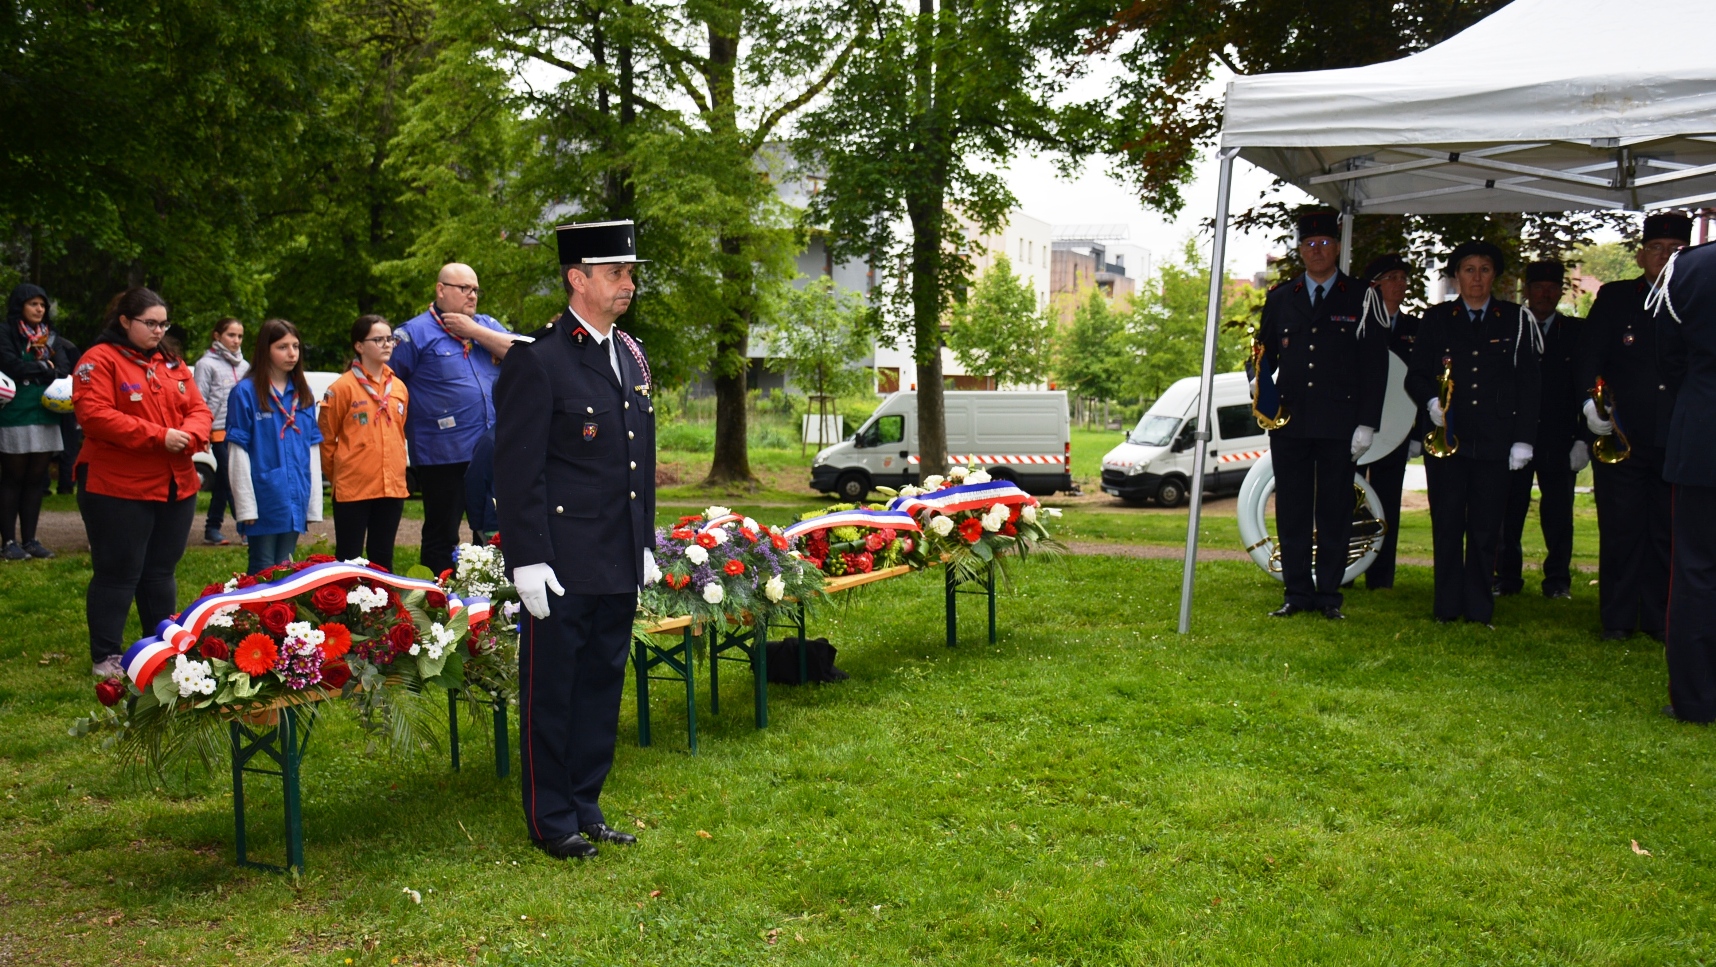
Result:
[
  {"x": 192, "y": 677},
  {"x": 696, "y": 554},
  {"x": 713, "y": 592},
  {"x": 359, "y": 561},
  {"x": 231, "y": 585},
  {"x": 977, "y": 477},
  {"x": 774, "y": 588},
  {"x": 223, "y": 617},
  {"x": 909, "y": 491},
  {"x": 441, "y": 638},
  {"x": 720, "y": 535},
  {"x": 941, "y": 525},
  {"x": 366, "y": 599},
  {"x": 714, "y": 512},
  {"x": 934, "y": 481},
  {"x": 297, "y": 629},
  {"x": 956, "y": 474},
  {"x": 1028, "y": 513}
]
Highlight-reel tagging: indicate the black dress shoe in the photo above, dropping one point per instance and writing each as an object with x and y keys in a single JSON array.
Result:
[
  {"x": 1287, "y": 611},
  {"x": 1558, "y": 595},
  {"x": 1333, "y": 613},
  {"x": 600, "y": 833},
  {"x": 573, "y": 847},
  {"x": 1613, "y": 635}
]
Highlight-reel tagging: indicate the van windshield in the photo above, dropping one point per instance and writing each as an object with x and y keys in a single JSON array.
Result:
[{"x": 1154, "y": 430}]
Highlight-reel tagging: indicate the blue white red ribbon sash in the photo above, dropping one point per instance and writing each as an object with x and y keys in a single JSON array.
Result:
[
  {"x": 952, "y": 500},
  {"x": 715, "y": 523},
  {"x": 175, "y": 636},
  {"x": 898, "y": 520}
]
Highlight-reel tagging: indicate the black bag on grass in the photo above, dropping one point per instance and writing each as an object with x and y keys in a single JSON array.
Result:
[{"x": 819, "y": 662}]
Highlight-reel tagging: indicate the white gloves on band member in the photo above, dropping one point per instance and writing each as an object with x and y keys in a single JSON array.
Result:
[
  {"x": 1518, "y": 456},
  {"x": 652, "y": 573},
  {"x": 1414, "y": 449},
  {"x": 533, "y": 582},
  {"x": 1362, "y": 437},
  {"x": 1579, "y": 457},
  {"x": 1434, "y": 407},
  {"x": 1598, "y": 425}
]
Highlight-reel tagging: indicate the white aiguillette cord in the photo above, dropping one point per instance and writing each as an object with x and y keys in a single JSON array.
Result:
[
  {"x": 1527, "y": 321},
  {"x": 1658, "y": 296},
  {"x": 1373, "y": 306}
]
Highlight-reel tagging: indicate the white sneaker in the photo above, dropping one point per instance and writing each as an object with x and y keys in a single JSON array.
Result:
[{"x": 109, "y": 667}]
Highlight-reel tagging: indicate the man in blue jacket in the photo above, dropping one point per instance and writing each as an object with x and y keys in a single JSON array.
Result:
[{"x": 449, "y": 358}]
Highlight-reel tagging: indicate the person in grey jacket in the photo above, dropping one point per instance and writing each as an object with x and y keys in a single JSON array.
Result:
[{"x": 217, "y": 373}]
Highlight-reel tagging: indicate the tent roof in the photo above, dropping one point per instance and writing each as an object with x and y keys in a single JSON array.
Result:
[{"x": 1545, "y": 105}]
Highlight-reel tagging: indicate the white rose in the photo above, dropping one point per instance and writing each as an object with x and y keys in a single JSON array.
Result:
[
  {"x": 977, "y": 477},
  {"x": 1028, "y": 513},
  {"x": 696, "y": 554},
  {"x": 750, "y": 525},
  {"x": 909, "y": 491},
  {"x": 720, "y": 535},
  {"x": 991, "y": 524},
  {"x": 957, "y": 474},
  {"x": 941, "y": 526},
  {"x": 775, "y": 588},
  {"x": 713, "y": 593},
  {"x": 714, "y": 512},
  {"x": 933, "y": 481}
]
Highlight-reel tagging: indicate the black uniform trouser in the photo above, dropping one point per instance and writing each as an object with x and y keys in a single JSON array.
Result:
[
  {"x": 1387, "y": 476},
  {"x": 376, "y": 520},
  {"x": 571, "y": 668},
  {"x": 134, "y": 550},
  {"x": 1692, "y": 605},
  {"x": 1313, "y": 505},
  {"x": 443, "y": 486},
  {"x": 1634, "y": 507},
  {"x": 1467, "y": 501},
  {"x": 1555, "y": 515}
]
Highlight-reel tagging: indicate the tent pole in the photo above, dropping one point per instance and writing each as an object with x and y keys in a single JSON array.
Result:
[
  {"x": 1212, "y": 318},
  {"x": 1347, "y": 241}
]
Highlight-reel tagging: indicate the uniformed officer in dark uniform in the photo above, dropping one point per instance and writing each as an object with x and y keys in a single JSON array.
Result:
[
  {"x": 1492, "y": 351},
  {"x": 1391, "y": 275},
  {"x": 1331, "y": 370},
  {"x": 1558, "y": 451},
  {"x": 575, "y": 494},
  {"x": 1634, "y": 353},
  {"x": 1689, "y": 465}
]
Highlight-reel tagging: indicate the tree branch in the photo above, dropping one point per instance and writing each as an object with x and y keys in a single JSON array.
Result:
[{"x": 761, "y": 134}]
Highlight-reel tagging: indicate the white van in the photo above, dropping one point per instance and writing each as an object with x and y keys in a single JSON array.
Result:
[
  {"x": 1024, "y": 437},
  {"x": 1155, "y": 462}
]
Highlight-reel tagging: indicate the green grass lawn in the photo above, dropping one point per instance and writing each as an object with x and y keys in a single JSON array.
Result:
[{"x": 1092, "y": 790}]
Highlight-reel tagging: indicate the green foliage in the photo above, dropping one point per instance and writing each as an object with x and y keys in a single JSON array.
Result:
[
  {"x": 1086, "y": 356},
  {"x": 1608, "y": 262},
  {"x": 999, "y": 331}
]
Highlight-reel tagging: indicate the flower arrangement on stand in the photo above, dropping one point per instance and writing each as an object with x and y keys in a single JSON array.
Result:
[
  {"x": 858, "y": 539},
  {"x": 971, "y": 520},
  {"x": 491, "y": 647},
  {"x": 717, "y": 566}
]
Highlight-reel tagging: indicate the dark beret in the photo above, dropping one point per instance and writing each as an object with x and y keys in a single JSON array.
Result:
[
  {"x": 1384, "y": 264},
  {"x": 1672, "y": 225},
  {"x": 1325, "y": 223},
  {"x": 1476, "y": 246},
  {"x": 1547, "y": 271}
]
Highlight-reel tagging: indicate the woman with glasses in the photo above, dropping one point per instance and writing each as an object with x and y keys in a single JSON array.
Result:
[
  {"x": 363, "y": 446},
  {"x": 142, "y": 417},
  {"x": 220, "y": 369}
]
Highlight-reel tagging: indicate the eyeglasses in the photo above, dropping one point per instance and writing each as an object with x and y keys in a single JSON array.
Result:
[
  {"x": 1317, "y": 243},
  {"x": 470, "y": 290},
  {"x": 381, "y": 340},
  {"x": 154, "y": 325}
]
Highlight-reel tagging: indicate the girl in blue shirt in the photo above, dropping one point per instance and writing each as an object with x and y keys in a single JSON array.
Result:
[{"x": 274, "y": 461}]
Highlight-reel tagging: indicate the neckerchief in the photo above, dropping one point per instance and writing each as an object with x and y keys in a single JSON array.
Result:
[
  {"x": 38, "y": 337},
  {"x": 378, "y": 397},
  {"x": 146, "y": 363},
  {"x": 229, "y": 357},
  {"x": 288, "y": 414},
  {"x": 435, "y": 314}
]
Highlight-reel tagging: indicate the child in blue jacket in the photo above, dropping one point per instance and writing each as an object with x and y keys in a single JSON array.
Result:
[{"x": 274, "y": 462}]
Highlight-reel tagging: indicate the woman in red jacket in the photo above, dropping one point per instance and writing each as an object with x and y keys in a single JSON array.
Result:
[{"x": 142, "y": 419}]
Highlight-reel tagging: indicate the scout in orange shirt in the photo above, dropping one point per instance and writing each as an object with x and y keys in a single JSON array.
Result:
[{"x": 363, "y": 446}]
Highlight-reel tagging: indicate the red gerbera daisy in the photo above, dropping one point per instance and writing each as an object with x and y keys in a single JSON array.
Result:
[
  {"x": 682, "y": 534},
  {"x": 255, "y": 655},
  {"x": 971, "y": 529},
  {"x": 706, "y": 540},
  {"x": 336, "y": 640},
  {"x": 734, "y": 567}
]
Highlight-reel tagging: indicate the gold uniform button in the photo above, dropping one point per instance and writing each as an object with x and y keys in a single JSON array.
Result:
[
  {"x": 589, "y": 409},
  {"x": 559, "y": 509},
  {"x": 1474, "y": 352},
  {"x": 1309, "y": 385},
  {"x": 1310, "y": 365},
  {"x": 630, "y": 434},
  {"x": 628, "y": 404},
  {"x": 634, "y": 464},
  {"x": 634, "y": 494}
]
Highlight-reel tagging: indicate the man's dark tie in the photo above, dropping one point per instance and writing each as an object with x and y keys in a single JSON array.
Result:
[
  {"x": 1477, "y": 316},
  {"x": 1316, "y": 295}
]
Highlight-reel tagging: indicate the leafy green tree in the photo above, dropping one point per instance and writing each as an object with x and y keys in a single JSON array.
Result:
[
  {"x": 1163, "y": 339},
  {"x": 999, "y": 332},
  {"x": 818, "y": 333},
  {"x": 1087, "y": 349},
  {"x": 1608, "y": 262}
]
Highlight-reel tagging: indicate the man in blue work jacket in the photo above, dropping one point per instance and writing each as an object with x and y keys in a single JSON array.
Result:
[{"x": 449, "y": 358}]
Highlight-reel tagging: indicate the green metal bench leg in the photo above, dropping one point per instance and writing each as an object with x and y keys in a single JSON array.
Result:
[
  {"x": 646, "y": 656},
  {"x": 503, "y": 754},
  {"x": 803, "y": 649},
  {"x": 284, "y": 745},
  {"x": 453, "y": 726},
  {"x": 991, "y": 586},
  {"x": 714, "y": 673},
  {"x": 691, "y": 692},
  {"x": 952, "y": 611},
  {"x": 293, "y": 754},
  {"x": 640, "y": 662},
  {"x": 760, "y": 672}
]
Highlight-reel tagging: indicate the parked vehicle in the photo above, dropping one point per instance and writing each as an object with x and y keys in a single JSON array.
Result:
[
  {"x": 1023, "y": 437},
  {"x": 1155, "y": 462}
]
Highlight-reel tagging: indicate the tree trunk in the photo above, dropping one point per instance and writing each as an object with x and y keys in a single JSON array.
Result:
[
  {"x": 732, "y": 460},
  {"x": 926, "y": 216}
]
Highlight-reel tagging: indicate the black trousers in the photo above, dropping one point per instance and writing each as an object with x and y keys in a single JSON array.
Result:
[
  {"x": 1467, "y": 501},
  {"x": 443, "y": 487},
  {"x": 1555, "y": 516},
  {"x": 1634, "y": 507},
  {"x": 1313, "y": 506},
  {"x": 134, "y": 546},
  {"x": 1692, "y": 605},
  {"x": 571, "y": 668},
  {"x": 23, "y": 484},
  {"x": 220, "y": 488},
  {"x": 376, "y": 520},
  {"x": 1387, "y": 476},
  {"x": 71, "y": 436}
]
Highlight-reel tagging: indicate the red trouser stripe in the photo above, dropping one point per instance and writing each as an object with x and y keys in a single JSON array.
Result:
[{"x": 524, "y": 730}]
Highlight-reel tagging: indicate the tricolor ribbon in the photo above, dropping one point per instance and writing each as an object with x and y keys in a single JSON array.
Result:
[
  {"x": 898, "y": 520},
  {"x": 175, "y": 635},
  {"x": 715, "y": 523},
  {"x": 952, "y": 500}
]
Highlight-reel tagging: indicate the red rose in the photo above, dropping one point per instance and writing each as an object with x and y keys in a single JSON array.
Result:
[
  {"x": 778, "y": 541},
  {"x": 682, "y": 533},
  {"x": 347, "y": 583},
  {"x": 277, "y": 616},
  {"x": 865, "y": 562},
  {"x": 255, "y": 607},
  {"x": 109, "y": 692},
  {"x": 971, "y": 529},
  {"x": 335, "y": 674},
  {"x": 435, "y": 599},
  {"x": 495, "y": 540},
  {"x": 319, "y": 559},
  {"x": 875, "y": 542},
  {"x": 212, "y": 590},
  {"x": 734, "y": 567},
  {"x": 906, "y": 545},
  {"x": 213, "y": 647},
  {"x": 707, "y": 540},
  {"x": 246, "y": 581},
  {"x": 401, "y": 636},
  {"x": 336, "y": 640},
  {"x": 329, "y": 599}
]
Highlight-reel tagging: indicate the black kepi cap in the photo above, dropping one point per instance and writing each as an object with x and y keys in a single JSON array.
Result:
[
  {"x": 1672, "y": 225},
  {"x": 1476, "y": 246},
  {"x": 594, "y": 243},
  {"x": 1545, "y": 271},
  {"x": 1384, "y": 264},
  {"x": 1324, "y": 223}
]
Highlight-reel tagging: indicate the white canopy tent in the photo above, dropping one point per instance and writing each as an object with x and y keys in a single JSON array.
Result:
[{"x": 1545, "y": 105}]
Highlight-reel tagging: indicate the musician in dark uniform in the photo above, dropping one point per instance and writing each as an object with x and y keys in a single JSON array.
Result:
[
  {"x": 1689, "y": 465},
  {"x": 1391, "y": 275},
  {"x": 1633, "y": 352},
  {"x": 1491, "y": 350},
  {"x": 1559, "y": 453},
  {"x": 575, "y": 495},
  {"x": 1330, "y": 368}
]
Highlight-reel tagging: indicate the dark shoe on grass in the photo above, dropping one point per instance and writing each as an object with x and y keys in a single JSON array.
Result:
[
  {"x": 108, "y": 667},
  {"x": 1559, "y": 594},
  {"x": 1287, "y": 611},
  {"x": 573, "y": 847},
  {"x": 13, "y": 552},
  {"x": 600, "y": 833},
  {"x": 1615, "y": 635},
  {"x": 212, "y": 535},
  {"x": 1333, "y": 613},
  {"x": 34, "y": 548}
]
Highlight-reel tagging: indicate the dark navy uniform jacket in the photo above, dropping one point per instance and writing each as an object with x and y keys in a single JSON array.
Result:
[
  {"x": 1401, "y": 337},
  {"x": 575, "y": 460},
  {"x": 1691, "y": 458},
  {"x": 1497, "y": 391},
  {"x": 1639, "y": 357},
  {"x": 1330, "y": 379},
  {"x": 1563, "y": 393}
]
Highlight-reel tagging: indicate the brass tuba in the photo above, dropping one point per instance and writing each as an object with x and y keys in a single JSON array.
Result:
[
  {"x": 1615, "y": 447},
  {"x": 1265, "y": 421},
  {"x": 1439, "y": 442}
]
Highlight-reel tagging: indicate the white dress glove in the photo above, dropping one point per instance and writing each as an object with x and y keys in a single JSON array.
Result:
[
  {"x": 1580, "y": 456},
  {"x": 1435, "y": 409},
  {"x": 533, "y": 582},
  {"x": 1415, "y": 449},
  {"x": 1362, "y": 437},
  {"x": 1598, "y": 425},
  {"x": 652, "y": 573},
  {"x": 1519, "y": 456}
]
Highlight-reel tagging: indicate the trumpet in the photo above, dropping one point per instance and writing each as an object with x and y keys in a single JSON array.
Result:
[
  {"x": 1439, "y": 442},
  {"x": 1615, "y": 447},
  {"x": 1265, "y": 421}
]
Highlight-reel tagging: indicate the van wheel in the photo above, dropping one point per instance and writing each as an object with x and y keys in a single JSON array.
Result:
[
  {"x": 852, "y": 487},
  {"x": 1171, "y": 493}
]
